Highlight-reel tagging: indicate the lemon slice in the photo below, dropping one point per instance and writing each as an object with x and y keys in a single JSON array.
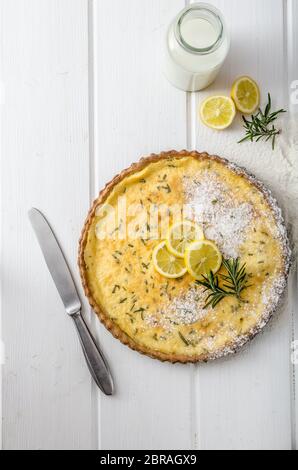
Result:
[
  {"x": 166, "y": 263},
  {"x": 218, "y": 112},
  {"x": 246, "y": 95},
  {"x": 201, "y": 257},
  {"x": 181, "y": 235}
]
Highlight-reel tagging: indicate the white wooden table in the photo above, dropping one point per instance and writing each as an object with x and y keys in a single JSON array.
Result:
[{"x": 83, "y": 96}]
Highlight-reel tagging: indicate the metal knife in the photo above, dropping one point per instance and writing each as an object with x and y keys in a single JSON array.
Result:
[{"x": 63, "y": 280}]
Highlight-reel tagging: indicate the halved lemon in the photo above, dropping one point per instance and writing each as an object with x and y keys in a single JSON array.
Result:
[
  {"x": 201, "y": 257},
  {"x": 166, "y": 263},
  {"x": 181, "y": 235},
  {"x": 218, "y": 112},
  {"x": 246, "y": 95}
]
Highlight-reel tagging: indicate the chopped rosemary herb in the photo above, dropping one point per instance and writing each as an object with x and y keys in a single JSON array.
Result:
[
  {"x": 115, "y": 230},
  {"x": 131, "y": 317},
  {"x": 167, "y": 188},
  {"x": 146, "y": 266},
  {"x": 141, "y": 309},
  {"x": 123, "y": 300},
  {"x": 183, "y": 339},
  {"x": 116, "y": 286},
  {"x": 162, "y": 179}
]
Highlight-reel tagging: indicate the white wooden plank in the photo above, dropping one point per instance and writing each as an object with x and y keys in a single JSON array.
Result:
[
  {"x": 137, "y": 112},
  {"x": 45, "y": 163},
  {"x": 244, "y": 401},
  {"x": 292, "y": 39},
  {"x": 2, "y": 353}
]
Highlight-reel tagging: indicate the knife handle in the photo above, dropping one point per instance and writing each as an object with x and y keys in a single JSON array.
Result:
[{"x": 95, "y": 360}]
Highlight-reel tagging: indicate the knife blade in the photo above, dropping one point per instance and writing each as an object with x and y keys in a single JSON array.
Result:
[
  {"x": 55, "y": 261},
  {"x": 64, "y": 283}
]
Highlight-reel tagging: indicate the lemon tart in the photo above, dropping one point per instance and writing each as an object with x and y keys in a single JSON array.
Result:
[{"x": 168, "y": 316}]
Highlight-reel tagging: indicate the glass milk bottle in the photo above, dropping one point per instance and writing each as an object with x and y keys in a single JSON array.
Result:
[{"x": 197, "y": 44}]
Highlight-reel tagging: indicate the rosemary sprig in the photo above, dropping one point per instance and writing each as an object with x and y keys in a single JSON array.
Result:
[
  {"x": 260, "y": 126},
  {"x": 235, "y": 281},
  {"x": 211, "y": 283}
]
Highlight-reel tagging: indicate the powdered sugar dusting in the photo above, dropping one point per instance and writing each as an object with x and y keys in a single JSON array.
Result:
[
  {"x": 186, "y": 309},
  {"x": 271, "y": 296},
  {"x": 224, "y": 220},
  {"x": 189, "y": 308}
]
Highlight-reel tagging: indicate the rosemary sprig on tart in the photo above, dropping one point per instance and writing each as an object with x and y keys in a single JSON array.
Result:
[{"x": 234, "y": 282}]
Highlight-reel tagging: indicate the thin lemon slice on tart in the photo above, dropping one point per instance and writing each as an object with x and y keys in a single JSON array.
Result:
[
  {"x": 181, "y": 234},
  {"x": 166, "y": 263},
  {"x": 201, "y": 257},
  {"x": 246, "y": 95},
  {"x": 218, "y": 112}
]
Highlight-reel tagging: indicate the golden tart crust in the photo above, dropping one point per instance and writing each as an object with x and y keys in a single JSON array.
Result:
[{"x": 218, "y": 332}]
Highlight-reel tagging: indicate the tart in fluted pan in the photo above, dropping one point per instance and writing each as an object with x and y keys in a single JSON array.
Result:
[{"x": 169, "y": 318}]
